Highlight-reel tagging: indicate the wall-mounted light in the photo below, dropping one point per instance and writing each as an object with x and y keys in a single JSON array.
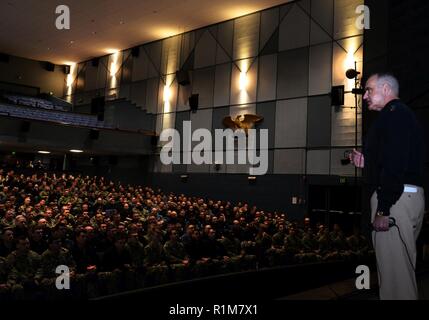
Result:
[
  {"x": 43, "y": 152},
  {"x": 70, "y": 79},
  {"x": 76, "y": 150},
  {"x": 350, "y": 60},
  {"x": 251, "y": 179},
  {"x": 114, "y": 64},
  {"x": 243, "y": 82},
  {"x": 70, "y": 74},
  {"x": 167, "y": 93}
]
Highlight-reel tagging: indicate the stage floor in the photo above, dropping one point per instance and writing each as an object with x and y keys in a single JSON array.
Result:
[{"x": 346, "y": 290}]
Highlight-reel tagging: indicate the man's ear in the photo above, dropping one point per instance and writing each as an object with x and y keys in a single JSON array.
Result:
[{"x": 386, "y": 89}]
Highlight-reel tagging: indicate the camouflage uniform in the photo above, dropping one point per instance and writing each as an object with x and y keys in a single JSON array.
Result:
[
  {"x": 137, "y": 252},
  {"x": 358, "y": 245},
  {"x": 3, "y": 278},
  {"x": 7, "y": 224},
  {"x": 338, "y": 240},
  {"x": 309, "y": 242},
  {"x": 292, "y": 244},
  {"x": 22, "y": 271},
  {"x": 154, "y": 262},
  {"x": 175, "y": 253},
  {"x": 248, "y": 255},
  {"x": 46, "y": 274},
  {"x": 279, "y": 239},
  {"x": 324, "y": 242}
]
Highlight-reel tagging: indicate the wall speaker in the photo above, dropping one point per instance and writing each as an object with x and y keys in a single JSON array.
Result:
[
  {"x": 183, "y": 77},
  {"x": 193, "y": 102},
  {"x": 337, "y": 96},
  {"x": 49, "y": 66},
  {"x": 135, "y": 52},
  {"x": 154, "y": 140},
  {"x": 95, "y": 62},
  {"x": 66, "y": 69},
  {"x": 94, "y": 134},
  {"x": 97, "y": 107}
]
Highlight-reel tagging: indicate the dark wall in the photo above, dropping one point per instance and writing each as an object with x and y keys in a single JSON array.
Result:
[
  {"x": 123, "y": 114},
  {"x": 26, "y": 72},
  {"x": 268, "y": 192},
  {"x": 398, "y": 41},
  {"x": 44, "y": 135}
]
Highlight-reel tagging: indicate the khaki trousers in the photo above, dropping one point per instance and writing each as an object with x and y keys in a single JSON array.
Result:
[{"x": 396, "y": 258}]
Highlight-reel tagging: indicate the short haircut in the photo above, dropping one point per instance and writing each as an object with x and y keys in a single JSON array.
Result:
[{"x": 390, "y": 79}]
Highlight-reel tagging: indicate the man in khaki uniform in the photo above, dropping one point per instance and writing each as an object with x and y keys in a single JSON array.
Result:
[{"x": 393, "y": 158}]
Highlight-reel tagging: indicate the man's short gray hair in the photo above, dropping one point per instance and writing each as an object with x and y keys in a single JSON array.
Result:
[{"x": 390, "y": 80}]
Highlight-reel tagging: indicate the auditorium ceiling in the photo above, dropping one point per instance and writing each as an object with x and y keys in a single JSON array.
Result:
[{"x": 98, "y": 27}]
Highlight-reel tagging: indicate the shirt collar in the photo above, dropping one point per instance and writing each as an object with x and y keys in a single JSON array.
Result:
[{"x": 388, "y": 106}]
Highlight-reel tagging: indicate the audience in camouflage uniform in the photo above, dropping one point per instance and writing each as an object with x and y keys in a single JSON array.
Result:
[{"x": 115, "y": 237}]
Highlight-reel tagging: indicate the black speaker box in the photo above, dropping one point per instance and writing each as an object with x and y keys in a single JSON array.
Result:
[
  {"x": 193, "y": 102},
  {"x": 337, "y": 96},
  {"x": 97, "y": 107},
  {"x": 66, "y": 69},
  {"x": 135, "y": 52},
  {"x": 94, "y": 62},
  {"x": 49, "y": 66},
  {"x": 154, "y": 140},
  {"x": 183, "y": 77}
]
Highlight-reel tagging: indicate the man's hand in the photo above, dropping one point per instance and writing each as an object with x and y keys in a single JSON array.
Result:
[
  {"x": 381, "y": 223},
  {"x": 357, "y": 158}
]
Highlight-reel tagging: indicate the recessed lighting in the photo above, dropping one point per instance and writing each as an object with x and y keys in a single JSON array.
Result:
[
  {"x": 43, "y": 152},
  {"x": 76, "y": 151},
  {"x": 71, "y": 41}
]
